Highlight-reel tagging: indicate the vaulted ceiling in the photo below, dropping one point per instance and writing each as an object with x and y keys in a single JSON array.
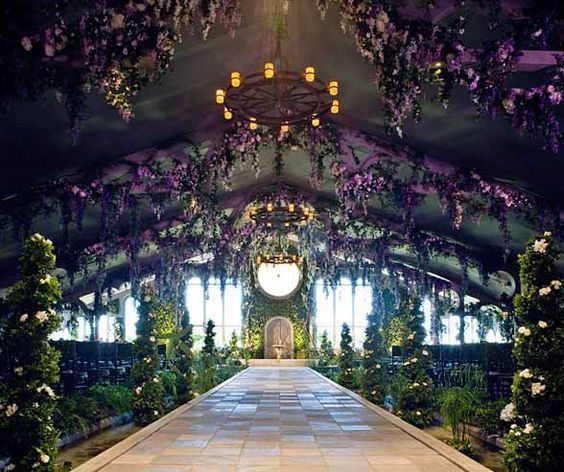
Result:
[{"x": 35, "y": 145}]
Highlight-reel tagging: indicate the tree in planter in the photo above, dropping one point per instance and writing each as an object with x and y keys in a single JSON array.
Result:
[
  {"x": 346, "y": 359},
  {"x": 535, "y": 441},
  {"x": 30, "y": 439},
  {"x": 415, "y": 399},
  {"x": 148, "y": 392},
  {"x": 374, "y": 373},
  {"x": 182, "y": 357},
  {"x": 234, "y": 353},
  {"x": 208, "y": 374},
  {"x": 326, "y": 352}
]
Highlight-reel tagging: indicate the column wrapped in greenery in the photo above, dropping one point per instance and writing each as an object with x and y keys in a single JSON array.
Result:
[
  {"x": 414, "y": 402},
  {"x": 182, "y": 355},
  {"x": 346, "y": 359},
  {"x": 148, "y": 392},
  {"x": 29, "y": 439},
  {"x": 536, "y": 439},
  {"x": 374, "y": 372}
]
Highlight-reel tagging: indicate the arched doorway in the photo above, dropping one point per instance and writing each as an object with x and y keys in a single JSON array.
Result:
[{"x": 279, "y": 339}]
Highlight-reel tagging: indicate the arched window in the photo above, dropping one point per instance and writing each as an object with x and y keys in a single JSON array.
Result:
[
  {"x": 131, "y": 317},
  {"x": 224, "y": 309},
  {"x": 343, "y": 304}
]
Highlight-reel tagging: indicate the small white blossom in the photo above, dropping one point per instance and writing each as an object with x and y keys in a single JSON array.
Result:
[
  {"x": 48, "y": 390},
  {"x": 425, "y": 352},
  {"x": 42, "y": 316},
  {"x": 45, "y": 280},
  {"x": 411, "y": 337},
  {"x": 152, "y": 339},
  {"x": 547, "y": 234},
  {"x": 556, "y": 284},
  {"x": 11, "y": 409},
  {"x": 11, "y": 467},
  {"x": 543, "y": 324},
  {"x": 418, "y": 413},
  {"x": 44, "y": 458},
  {"x": 540, "y": 246},
  {"x": 544, "y": 291},
  {"x": 524, "y": 331},
  {"x": 18, "y": 371},
  {"x": 378, "y": 366},
  {"x": 155, "y": 412},
  {"x": 508, "y": 413},
  {"x": 537, "y": 388},
  {"x": 414, "y": 360},
  {"x": 147, "y": 298},
  {"x": 526, "y": 374},
  {"x": 513, "y": 426},
  {"x": 528, "y": 428},
  {"x": 156, "y": 380},
  {"x": 138, "y": 390},
  {"x": 24, "y": 318}
]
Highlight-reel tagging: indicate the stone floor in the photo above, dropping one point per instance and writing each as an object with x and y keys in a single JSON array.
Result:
[{"x": 284, "y": 419}]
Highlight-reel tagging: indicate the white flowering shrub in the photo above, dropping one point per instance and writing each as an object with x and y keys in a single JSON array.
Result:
[
  {"x": 535, "y": 441},
  {"x": 148, "y": 391},
  {"x": 29, "y": 438}
]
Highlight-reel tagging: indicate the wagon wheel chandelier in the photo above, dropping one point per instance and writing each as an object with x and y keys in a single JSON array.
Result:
[
  {"x": 280, "y": 213},
  {"x": 279, "y": 255},
  {"x": 277, "y": 97}
]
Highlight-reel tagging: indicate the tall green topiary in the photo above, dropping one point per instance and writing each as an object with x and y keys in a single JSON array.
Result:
[
  {"x": 30, "y": 439},
  {"x": 346, "y": 359},
  {"x": 209, "y": 359},
  {"x": 536, "y": 439},
  {"x": 326, "y": 352},
  {"x": 374, "y": 372},
  {"x": 182, "y": 356},
  {"x": 234, "y": 351},
  {"x": 148, "y": 392},
  {"x": 416, "y": 397}
]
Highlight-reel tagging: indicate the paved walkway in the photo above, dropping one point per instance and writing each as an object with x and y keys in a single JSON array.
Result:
[{"x": 279, "y": 419}]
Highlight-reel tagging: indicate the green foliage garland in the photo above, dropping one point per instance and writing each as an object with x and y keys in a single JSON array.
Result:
[
  {"x": 415, "y": 399},
  {"x": 346, "y": 359},
  {"x": 535, "y": 441},
  {"x": 148, "y": 391},
  {"x": 182, "y": 358},
  {"x": 29, "y": 438}
]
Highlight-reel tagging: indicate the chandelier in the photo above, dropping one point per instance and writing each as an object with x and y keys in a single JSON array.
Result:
[
  {"x": 276, "y": 96},
  {"x": 280, "y": 214}
]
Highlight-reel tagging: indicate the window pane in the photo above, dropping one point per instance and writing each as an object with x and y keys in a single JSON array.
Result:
[
  {"x": 195, "y": 303},
  {"x": 362, "y": 305},
  {"x": 324, "y": 306},
  {"x": 343, "y": 305},
  {"x": 427, "y": 313},
  {"x": 232, "y": 305},
  {"x": 214, "y": 306},
  {"x": 131, "y": 318}
]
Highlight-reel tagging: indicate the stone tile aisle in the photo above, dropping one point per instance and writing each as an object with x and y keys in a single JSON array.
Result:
[{"x": 286, "y": 419}]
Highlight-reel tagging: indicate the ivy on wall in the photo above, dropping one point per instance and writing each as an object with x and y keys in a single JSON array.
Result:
[{"x": 259, "y": 308}]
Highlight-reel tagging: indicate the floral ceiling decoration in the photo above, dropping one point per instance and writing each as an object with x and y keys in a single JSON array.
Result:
[
  {"x": 113, "y": 48},
  {"x": 116, "y": 48}
]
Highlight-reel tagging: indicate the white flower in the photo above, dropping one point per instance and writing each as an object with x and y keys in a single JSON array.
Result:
[
  {"x": 544, "y": 291},
  {"x": 24, "y": 318},
  {"x": 556, "y": 284},
  {"x": 537, "y": 388},
  {"x": 543, "y": 324},
  {"x": 418, "y": 413},
  {"x": 547, "y": 234},
  {"x": 42, "y": 316},
  {"x": 138, "y": 390},
  {"x": 155, "y": 412},
  {"x": 147, "y": 298},
  {"x": 508, "y": 413},
  {"x": 147, "y": 360},
  {"x": 378, "y": 366},
  {"x": 45, "y": 280},
  {"x": 10, "y": 467},
  {"x": 11, "y": 409},
  {"x": 156, "y": 380},
  {"x": 152, "y": 339},
  {"x": 48, "y": 390},
  {"x": 44, "y": 458},
  {"x": 524, "y": 331},
  {"x": 425, "y": 352},
  {"x": 513, "y": 426},
  {"x": 415, "y": 384},
  {"x": 425, "y": 384},
  {"x": 18, "y": 371},
  {"x": 526, "y": 374},
  {"x": 528, "y": 428},
  {"x": 414, "y": 360},
  {"x": 411, "y": 337},
  {"x": 540, "y": 246}
]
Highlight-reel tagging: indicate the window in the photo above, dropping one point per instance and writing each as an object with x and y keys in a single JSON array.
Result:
[
  {"x": 130, "y": 318},
  {"x": 224, "y": 310},
  {"x": 278, "y": 280},
  {"x": 106, "y": 331},
  {"x": 343, "y": 304}
]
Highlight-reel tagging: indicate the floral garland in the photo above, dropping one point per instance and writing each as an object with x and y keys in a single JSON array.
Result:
[
  {"x": 29, "y": 438},
  {"x": 113, "y": 48},
  {"x": 148, "y": 391},
  {"x": 403, "y": 48},
  {"x": 536, "y": 438}
]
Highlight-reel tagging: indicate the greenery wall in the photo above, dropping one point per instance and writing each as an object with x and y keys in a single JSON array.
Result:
[{"x": 258, "y": 309}]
